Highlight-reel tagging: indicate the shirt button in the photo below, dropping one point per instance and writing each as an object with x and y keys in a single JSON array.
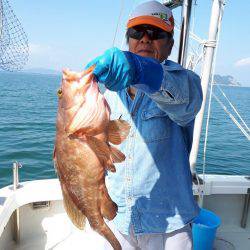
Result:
[
  {"x": 129, "y": 200},
  {"x": 128, "y": 179}
]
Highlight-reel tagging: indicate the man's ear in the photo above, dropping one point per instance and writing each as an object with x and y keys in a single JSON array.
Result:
[{"x": 170, "y": 44}]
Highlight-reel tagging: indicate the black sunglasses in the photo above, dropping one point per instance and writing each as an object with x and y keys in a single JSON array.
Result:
[{"x": 154, "y": 33}]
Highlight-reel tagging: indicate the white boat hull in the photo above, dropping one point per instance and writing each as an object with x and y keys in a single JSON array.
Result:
[{"x": 48, "y": 227}]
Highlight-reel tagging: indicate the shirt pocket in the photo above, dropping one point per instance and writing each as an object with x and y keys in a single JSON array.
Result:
[{"x": 155, "y": 125}]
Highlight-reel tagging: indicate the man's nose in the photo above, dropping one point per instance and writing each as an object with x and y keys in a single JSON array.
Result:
[{"x": 146, "y": 38}]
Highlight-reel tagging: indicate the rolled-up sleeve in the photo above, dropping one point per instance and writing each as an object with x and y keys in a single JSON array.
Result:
[{"x": 180, "y": 95}]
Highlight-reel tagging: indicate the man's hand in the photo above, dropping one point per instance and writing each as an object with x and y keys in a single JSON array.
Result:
[
  {"x": 119, "y": 69},
  {"x": 113, "y": 69}
]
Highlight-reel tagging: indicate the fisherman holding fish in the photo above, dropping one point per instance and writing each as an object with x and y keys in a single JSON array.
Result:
[{"x": 159, "y": 99}]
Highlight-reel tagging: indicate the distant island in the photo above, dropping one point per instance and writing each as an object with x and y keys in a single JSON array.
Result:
[
  {"x": 41, "y": 71},
  {"x": 34, "y": 71},
  {"x": 226, "y": 81}
]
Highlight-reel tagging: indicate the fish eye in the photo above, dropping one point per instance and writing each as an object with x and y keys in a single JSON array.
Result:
[{"x": 59, "y": 93}]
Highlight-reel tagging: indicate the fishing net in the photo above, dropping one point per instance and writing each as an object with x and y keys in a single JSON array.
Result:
[{"x": 14, "y": 49}]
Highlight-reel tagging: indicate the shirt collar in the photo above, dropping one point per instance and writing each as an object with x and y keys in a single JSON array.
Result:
[{"x": 172, "y": 66}]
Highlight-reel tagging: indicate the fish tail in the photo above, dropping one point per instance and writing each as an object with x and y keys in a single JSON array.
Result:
[{"x": 102, "y": 228}]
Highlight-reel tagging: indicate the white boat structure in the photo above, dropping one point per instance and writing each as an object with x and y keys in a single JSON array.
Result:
[{"x": 32, "y": 216}]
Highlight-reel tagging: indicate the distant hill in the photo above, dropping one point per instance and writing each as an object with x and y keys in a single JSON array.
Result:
[
  {"x": 41, "y": 71},
  {"x": 226, "y": 80}
]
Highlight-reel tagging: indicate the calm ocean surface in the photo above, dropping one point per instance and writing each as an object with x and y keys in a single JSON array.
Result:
[{"x": 28, "y": 105}]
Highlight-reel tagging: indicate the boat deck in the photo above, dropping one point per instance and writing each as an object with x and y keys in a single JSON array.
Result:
[
  {"x": 47, "y": 227},
  {"x": 55, "y": 231},
  {"x": 59, "y": 234}
]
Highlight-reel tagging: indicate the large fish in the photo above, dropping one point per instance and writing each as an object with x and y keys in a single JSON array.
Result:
[{"x": 83, "y": 151}]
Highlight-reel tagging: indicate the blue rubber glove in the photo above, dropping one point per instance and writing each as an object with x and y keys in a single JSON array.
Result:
[{"x": 120, "y": 69}]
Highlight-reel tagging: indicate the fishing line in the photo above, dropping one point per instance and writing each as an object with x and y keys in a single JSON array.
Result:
[
  {"x": 118, "y": 22},
  {"x": 131, "y": 9}
]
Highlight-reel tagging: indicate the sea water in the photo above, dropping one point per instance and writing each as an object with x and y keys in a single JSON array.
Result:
[{"x": 28, "y": 106}]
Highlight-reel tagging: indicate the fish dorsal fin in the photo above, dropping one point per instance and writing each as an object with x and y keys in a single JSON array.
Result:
[
  {"x": 76, "y": 216},
  {"x": 118, "y": 131}
]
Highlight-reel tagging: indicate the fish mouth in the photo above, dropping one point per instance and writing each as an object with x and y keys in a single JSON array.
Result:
[{"x": 71, "y": 76}]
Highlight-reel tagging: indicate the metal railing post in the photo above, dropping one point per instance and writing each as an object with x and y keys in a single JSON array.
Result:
[
  {"x": 245, "y": 209},
  {"x": 16, "y": 214},
  {"x": 210, "y": 47},
  {"x": 184, "y": 35}
]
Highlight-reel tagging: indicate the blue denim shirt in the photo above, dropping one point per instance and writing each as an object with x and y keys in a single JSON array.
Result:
[{"x": 153, "y": 186}]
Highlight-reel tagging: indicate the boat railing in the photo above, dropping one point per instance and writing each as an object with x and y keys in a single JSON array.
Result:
[{"x": 16, "y": 214}]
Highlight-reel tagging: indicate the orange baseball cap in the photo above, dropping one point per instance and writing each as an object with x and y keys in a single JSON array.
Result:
[{"x": 152, "y": 13}]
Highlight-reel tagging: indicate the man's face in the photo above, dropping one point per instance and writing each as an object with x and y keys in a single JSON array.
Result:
[{"x": 159, "y": 49}]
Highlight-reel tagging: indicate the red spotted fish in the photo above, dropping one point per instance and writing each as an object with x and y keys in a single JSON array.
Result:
[{"x": 84, "y": 151}]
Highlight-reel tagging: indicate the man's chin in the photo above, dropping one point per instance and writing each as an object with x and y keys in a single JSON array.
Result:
[{"x": 146, "y": 54}]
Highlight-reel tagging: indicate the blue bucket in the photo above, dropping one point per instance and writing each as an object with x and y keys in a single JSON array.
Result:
[{"x": 204, "y": 230}]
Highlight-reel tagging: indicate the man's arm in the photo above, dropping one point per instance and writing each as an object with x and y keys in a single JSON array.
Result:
[
  {"x": 177, "y": 91},
  {"x": 180, "y": 95}
]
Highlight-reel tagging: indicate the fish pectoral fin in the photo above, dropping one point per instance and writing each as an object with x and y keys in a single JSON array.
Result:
[
  {"x": 110, "y": 166},
  {"x": 105, "y": 153},
  {"x": 100, "y": 147},
  {"x": 116, "y": 154},
  {"x": 118, "y": 131},
  {"x": 76, "y": 216}
]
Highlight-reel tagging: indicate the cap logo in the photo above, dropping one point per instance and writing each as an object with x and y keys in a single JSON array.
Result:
[{"x": 162, "y": 16}]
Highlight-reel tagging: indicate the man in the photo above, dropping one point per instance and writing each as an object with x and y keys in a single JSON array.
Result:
[{"x": 160, "y": 99}]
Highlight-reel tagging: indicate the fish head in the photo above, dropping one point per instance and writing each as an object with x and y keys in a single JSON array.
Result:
[
  {"x": 73, "y": 89},
  {"x": 81, "y": 105}
]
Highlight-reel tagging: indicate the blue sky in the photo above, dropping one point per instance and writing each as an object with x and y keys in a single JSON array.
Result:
[{"x": 70, "y": 33}]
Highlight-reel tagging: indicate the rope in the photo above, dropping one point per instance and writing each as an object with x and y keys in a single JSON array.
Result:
[
  {"x": 235, "y": 110},
  {"x": 209, "y": 43},
  {"x": 226, "y": 241},
  {"x": 191, "y": 34},
  {"x": 232, "y": 117}
]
